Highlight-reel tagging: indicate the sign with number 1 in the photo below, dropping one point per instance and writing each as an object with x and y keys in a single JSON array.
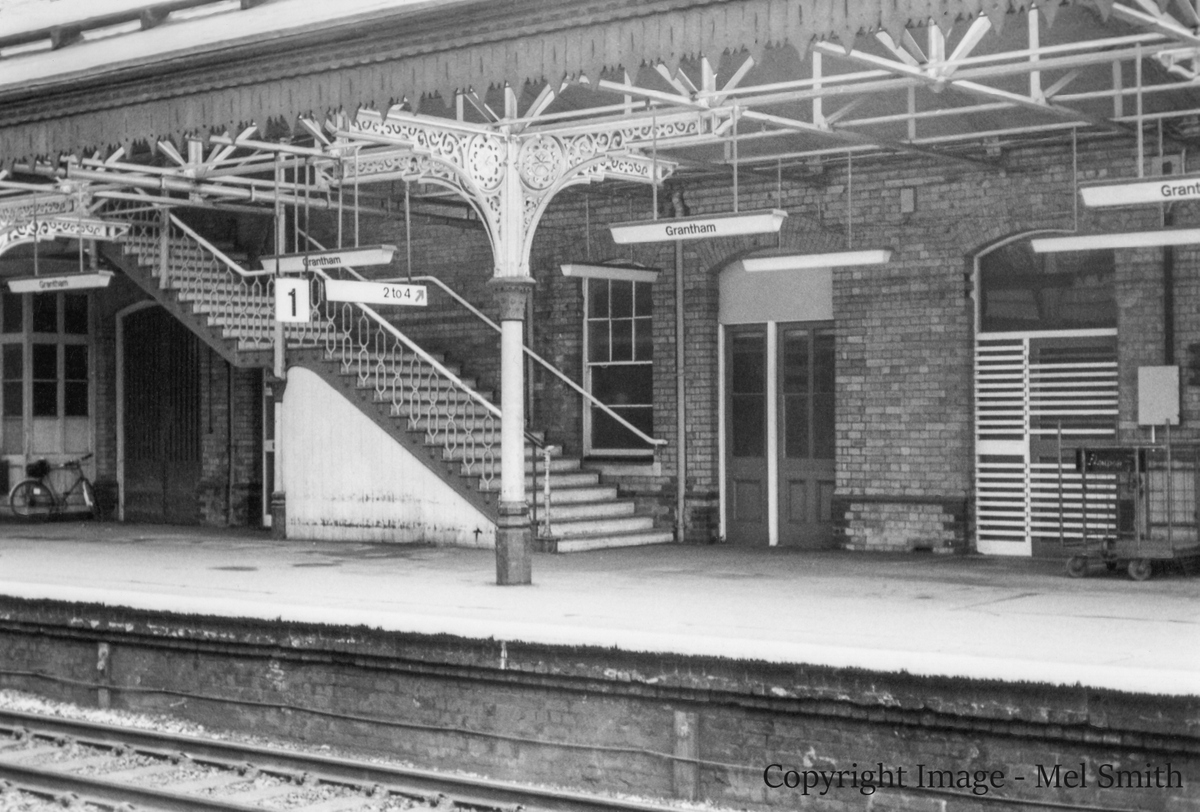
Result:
[{"x": 292, "y": 300}]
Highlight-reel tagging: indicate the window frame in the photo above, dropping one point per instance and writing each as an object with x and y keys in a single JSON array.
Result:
[{"x": 589, "y": 449}]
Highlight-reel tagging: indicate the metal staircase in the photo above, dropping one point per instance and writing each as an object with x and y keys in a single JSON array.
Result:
[{"x": 423, "y": 402}]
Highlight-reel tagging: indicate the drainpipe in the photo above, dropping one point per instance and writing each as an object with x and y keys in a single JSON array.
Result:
[
  {"x": 680, "y": 393},
  {"x": 1168, "y": 303}
]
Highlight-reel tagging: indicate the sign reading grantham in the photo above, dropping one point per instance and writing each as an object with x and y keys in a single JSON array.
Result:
[
  {"x": 698, "y": 228},
  {"x": 1159, "y": 190},
  {"x": 314, "y": 260},
  {"x": 75, "y": 281},
  {"x": 386, "y": 293}
]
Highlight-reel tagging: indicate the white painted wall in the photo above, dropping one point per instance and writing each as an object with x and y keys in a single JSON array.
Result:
[{"x": 347, "y": 480}]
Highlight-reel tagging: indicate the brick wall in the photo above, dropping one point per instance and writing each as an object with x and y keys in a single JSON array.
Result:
[{"x": 605, "y": 719}]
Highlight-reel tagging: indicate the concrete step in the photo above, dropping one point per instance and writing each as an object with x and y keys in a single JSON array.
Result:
[
  {"x": 605, "y": 541},
  {"x": 571, "y": 512},
  {"x": 600, "y": 527},
  {"x": 558, "y": 465},
  {"x": 562, "y": 494}
]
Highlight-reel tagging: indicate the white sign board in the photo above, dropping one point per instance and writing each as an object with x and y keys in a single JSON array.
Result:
[
  {"x": 386, "y": 293},
  {"x": 75, "y": 281},
  {"x": 1158, "y": 396},
  {"x": 1160, "y": 190},
  {"x": 352, "y": 257},
  {"x": 292, "y": 300},
  {"x": 698, "y": 228}
]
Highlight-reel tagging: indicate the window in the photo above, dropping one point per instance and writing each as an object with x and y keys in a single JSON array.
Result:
[
  {"x": 45, "y": 361},
  {"x": 619, "y": 343},
  {"x": 1024, "y": 291}
]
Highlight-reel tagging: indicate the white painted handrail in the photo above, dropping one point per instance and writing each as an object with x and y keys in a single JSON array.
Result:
[
  {"x": 420, "y": 353},
  {"x": 588, "y": 396},
  {"x": 217, "y": 252}
]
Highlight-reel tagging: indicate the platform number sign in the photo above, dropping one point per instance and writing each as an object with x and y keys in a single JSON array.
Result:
[{"x": 292, "y": 301}]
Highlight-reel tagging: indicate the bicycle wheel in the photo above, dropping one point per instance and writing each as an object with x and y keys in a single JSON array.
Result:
[{"x": 31, "y": 498}]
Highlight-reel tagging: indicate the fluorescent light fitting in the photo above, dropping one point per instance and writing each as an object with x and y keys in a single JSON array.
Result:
[
  {"x": 796, "y": 262},
  {"x": 627, "y": 273},
  {"x": 767, "y": 221},
  {"x": 48, "y": 284},
  {"x": 1130, "y": 239}
]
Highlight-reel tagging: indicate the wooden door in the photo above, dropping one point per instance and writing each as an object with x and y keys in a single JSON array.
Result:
[
  {"x": 746, "y": 435},
  {"x": 805, "y": 442},
  {"x": 162, "y": 419}
]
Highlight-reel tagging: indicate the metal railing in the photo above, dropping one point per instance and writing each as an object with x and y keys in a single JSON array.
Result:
[
  {"x": 558, "y": 373},
  {"x": 414, "y": 384}
]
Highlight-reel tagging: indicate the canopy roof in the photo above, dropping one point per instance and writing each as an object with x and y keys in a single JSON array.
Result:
[{"x": 779, "y": 83}]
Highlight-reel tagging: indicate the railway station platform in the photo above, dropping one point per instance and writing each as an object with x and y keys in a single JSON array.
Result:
[
  {"x": 736, "y": 677},
  {"x": 938, "y": 616}
]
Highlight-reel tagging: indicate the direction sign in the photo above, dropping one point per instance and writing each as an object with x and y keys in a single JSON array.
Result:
[
  {"x": 1160, "y": 190},
  {"x": 353, "y": 257},
  {"x": 387, "y": 293},
  {"x": 292, "y": 300},
  {"x": 74, "y": 281}
]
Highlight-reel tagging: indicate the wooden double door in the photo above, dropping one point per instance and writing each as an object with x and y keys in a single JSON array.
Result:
[
  {"x": 161, "y": 363},
  {"x": 779, "y": 434}
]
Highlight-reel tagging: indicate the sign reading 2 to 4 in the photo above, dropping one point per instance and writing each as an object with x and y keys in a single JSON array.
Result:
[{"x": 292, "y": 302}]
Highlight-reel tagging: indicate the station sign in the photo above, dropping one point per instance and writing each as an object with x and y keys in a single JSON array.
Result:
[
  {"x": 766, "y": 221},
  {"x": 1159, "y": 190},
  {"x": 384, "y": 293},
  {"x": 47, "y": 284},
  {"x": 1110, "y": 460},
  {"x": 292, "y": 301},
  {"x": 322, "y": 260}
]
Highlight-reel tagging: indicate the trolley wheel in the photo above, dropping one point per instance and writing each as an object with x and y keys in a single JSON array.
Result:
[
  {"x": 1139, "y": 569},
  {"x": 30, "y": 498},
  {"x": 1077, "y": 566}
]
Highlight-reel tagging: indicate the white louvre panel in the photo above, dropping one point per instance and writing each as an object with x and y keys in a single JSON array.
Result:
[
  {"x": 1001, "y": 443},
  {"x": 1034, "y": 392}
]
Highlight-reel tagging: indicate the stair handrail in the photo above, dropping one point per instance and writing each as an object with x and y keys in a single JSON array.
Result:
[
  {"x": 418, "y": 351},
  {"x": 216, "y": 252},
  {"x": 588, "y": 396}
]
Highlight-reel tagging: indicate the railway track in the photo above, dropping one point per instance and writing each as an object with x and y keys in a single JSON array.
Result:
[{"x": 81, "y": 765}]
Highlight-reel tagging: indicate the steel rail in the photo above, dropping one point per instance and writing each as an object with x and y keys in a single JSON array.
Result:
[{"x": 468, "y": 790}]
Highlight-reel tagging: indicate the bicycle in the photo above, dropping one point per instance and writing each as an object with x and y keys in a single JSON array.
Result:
[{"x": 36, "y": 496}]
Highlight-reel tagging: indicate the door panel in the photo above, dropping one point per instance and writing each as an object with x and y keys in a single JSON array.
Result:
[
  {"x": 746, "y": 433},
  {"x": 806, "y": 435},
  {"x": 162, "y": 419}
]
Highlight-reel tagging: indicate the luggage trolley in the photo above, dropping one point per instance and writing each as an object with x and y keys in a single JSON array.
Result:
[{"x": 1157, "y": 496}]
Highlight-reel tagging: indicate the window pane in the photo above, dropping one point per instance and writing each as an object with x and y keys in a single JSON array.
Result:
[
  {"x": 11, "y": 315},
  {"x": 624, "y": 385},
  {"x": 45, "y": 398},
  {"x": 643, "y": 339},
  {"x": 823, "y": 439},
  {"x": 12, "y": 362},
  {"x": 748, "y": 425},
  {"x": 75, "y": 313},
  {"x": 748, "y": 364},
  {"x": 824, "y": 373},
  {"x": 45, "y": 362},
  {"x": 608, "y": 434},
  {"x": 12, "y": 399},
  {"x": 598, "y": 341},
  {"x": 598, "y": 298},
  {"x": 622, "y": 340},
  {"x": 76, "y": 393},
  {"x": 1060, "y": 291},
  {"x": 45, "y": 313},
  {"x": 622, "y": 299},
  {"x": 795, "y": 362},
  {"x": 643, "y": 293},
  {"x": 75, "y": 362},
  {"x": 795, "y": 426}
]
